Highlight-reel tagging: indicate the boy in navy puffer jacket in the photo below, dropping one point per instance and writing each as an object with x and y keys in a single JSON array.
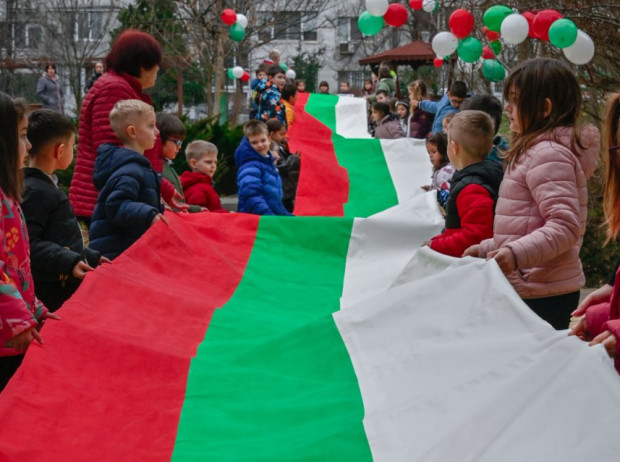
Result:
[
  {"x": 258, "y": 180},
  {"x": 129, "y": 200}
]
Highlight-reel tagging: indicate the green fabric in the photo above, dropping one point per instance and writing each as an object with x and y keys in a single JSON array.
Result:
[
  {"x": 272, "y": 380},
  {"x": 371, "y": 189}
]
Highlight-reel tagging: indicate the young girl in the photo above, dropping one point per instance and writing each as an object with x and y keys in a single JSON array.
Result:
[
  {"x": 601, "y": 323},
  {"x": 420, "y": 122},
  {"x": 387, "y": 125},
  {"x": 437, "y": 147},
  {"x": 21, "y": 314},
  {"x": 402, "y": 110},
  {"x": 541, "y": 211}
]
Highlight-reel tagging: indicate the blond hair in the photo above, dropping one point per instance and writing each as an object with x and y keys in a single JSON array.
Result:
[
  {"x": 255, "y": 127},
  {"x": 127, "y": 112},
  {"x": 473, "y": 131},
  {"x": 196, "y": 150}
]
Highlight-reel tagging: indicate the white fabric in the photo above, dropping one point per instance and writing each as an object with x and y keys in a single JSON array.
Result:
[
  {"x": 453, "y": 366},
  {"x": 352, "y": 118},
  {"x": 409, "y": 165}
]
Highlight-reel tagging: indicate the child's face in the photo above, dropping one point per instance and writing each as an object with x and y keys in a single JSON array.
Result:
[
  {"x": 444, "y": 124},
  {"x": 207, "y": 164},
  {"x": 382, "y": 98},
  {"x": 323, "y": 88},
  {"x": 23, "y": 143},
  {"x": 279, "y": 80},
  {"x": 455, "y": 101},
  {"x": 434, "y": 155},
  {"x": 279, "y": 136},
  {"x": 261, "y": 75},
  {"x": 513, "y": 112},
  {"x": 145, "y": 131},
  {"x": 67, "y": 153},
  {"x": 171, "y": 148},
  {"x": 301, "y": 86},
  {"x": 367, "y": 85},
  {"x": 260, "y": 143},
  {"x": 401, "y": 111},
  {"x": 376, "y": 115}
]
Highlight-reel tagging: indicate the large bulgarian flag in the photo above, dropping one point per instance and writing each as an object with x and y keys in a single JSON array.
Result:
[{"x": 314, "y": 338}]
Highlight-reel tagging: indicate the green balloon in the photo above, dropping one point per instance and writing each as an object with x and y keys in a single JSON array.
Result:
[
  {"x": 230, "y": 74},
  {"x": 369, "y": 24},
  {"x": 563, "y": 33},
  {"x": 494, "y": 16},
  {"x": 237, "y": 32},
  {"x": 496, "y": 47},
  {"x": 493, "y": 70},
  {"x": 469, "y": 49},
  {"x": 283, "y": 66}
]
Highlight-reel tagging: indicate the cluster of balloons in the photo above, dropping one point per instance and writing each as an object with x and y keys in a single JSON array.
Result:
[
  {"x": 237, "y": 22},
  {"x": 238, "y": 72}
]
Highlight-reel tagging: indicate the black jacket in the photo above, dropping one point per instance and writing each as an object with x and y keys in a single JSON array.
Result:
[{"x": 56, "y": 243}]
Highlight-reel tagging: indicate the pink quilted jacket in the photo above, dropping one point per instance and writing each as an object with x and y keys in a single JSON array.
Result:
[
  {"x": 541, "y": 213},
  {"x": 94, "y": 130}
]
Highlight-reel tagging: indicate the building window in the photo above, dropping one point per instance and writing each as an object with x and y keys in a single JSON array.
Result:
[
  {"x": 84, "y": 25},
  {"x": 287, "y": 25},
  {"x": 355, "y": 79},
  {"x": 27, "y": 35},
  {"x": 348, "y": 30}
]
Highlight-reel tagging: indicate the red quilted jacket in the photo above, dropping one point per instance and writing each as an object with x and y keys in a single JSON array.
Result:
[
  {"x": 94, "y": 130},
  {"x": 198, "y": 190}
]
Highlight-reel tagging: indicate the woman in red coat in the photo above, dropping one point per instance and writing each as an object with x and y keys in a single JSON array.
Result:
[{"x": 132, "y": 66}]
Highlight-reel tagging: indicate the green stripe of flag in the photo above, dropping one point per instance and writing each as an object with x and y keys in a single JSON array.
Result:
[
  {"x": 371, "y": 189},
  {"x": 272, "y": 379}
]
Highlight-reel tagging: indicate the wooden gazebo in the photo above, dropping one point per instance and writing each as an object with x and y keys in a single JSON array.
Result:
[{"x": 414, "y": 54}]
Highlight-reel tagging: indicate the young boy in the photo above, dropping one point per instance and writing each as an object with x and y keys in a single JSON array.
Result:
[
  {"x": 289, "y": 98},
  {"x": 492, "y": 106},
  {"x": 57, "y": 254},
  {"x": 474, "y": 185},
  {"x": 172, "y": 133},
  {"x": 129, "y": 199},
  {"x": 198, "y": 184},
  {"x": 288, "y": 164},
  {"x": 450, "y": 102},
  {"x": 260, "y": 80},
  {"x": 258, "y": 180},
  {"x": 269, "y": 104}
]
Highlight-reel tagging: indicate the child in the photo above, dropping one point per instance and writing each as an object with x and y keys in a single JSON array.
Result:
[
  {"x": 420, "y": 122},
  {"x": 402, "y": 110},
  {"x": 301, "y": 85},
  {"x": 387, "y": 125},
  {"x": 492, "y": 106},
  {"x": 59, "y": 259},
  {"x": 172, "y": 133},
  {"x": 198, "y": 184},
  {"x": 474, "y": 185},
  {"x": 261, "y": 78},
  {"x": 129, "y": 189},
  {"x": 289, "y": 98},
  {"x": 269, "y": 104},
  {"x": 601, "y": 323},
  {"x": 323, "y": 88},
  {"x": 449, "y": 102},
  {"x": 288, "y": 164},
  {"x": 21, "y": 313},
  {"x": 437, "y": 148},
  {"x": 445, "y": 123},
  {"x": 258, "y": 180},
  {"x": 541, "y": 210}
]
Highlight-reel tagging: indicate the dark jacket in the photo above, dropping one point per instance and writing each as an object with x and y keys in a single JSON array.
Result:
[
  {"x": 198, "y": 190},
  {"x": 470, "y": 208},
  {"x": 288, "y": 167},
  {"x": 56, "y": 243},
  {"x": 258, "y": 181},
  {"x": 129, "y": 199},
  {"x": 420, "y": 123},
  {"x": 170, "y": 174}
]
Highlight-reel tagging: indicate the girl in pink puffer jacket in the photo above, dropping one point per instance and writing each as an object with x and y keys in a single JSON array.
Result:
[{"x": 541, "y": 211}]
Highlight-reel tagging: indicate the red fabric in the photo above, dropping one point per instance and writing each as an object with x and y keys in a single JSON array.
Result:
[
  {"x": 475, "y": 207},
  {"x": 107, "y": 319},
  {"x": 323, "y": 187},
  {"x": 198, "y": 190},
  {"x": 94, "y": 130}
]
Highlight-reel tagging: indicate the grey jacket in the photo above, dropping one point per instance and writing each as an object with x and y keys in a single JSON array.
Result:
[{"x": 50, "y": 92}]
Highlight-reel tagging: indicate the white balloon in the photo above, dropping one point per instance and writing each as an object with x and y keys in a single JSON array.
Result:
[
  {"x": 242, "y": 20},
  {"x": 377, "y": 7},
  {"x": 444, "y": 44},
  {"x": 429, "y": 5},
  {"x": 290, "y": 74},
  {"x": 237, "y": 72},
  {"x": 582, "y": 51},
  {"x": 514, "y": 29}
]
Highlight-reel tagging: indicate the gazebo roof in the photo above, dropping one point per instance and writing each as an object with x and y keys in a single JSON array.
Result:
[{"x": 415, "y": 54}]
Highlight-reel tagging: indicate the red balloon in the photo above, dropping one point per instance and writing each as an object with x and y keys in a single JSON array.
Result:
[
  {"x": 396, "y": 15},
  {"x": 487, "y": 53},
  {"x": 229, "y": 17},
  {"x": 461, "y": 23},
  {"x": 245, "y": 77},
  {"x": 542, "y": 22},
  {"x": 530, "y": 20},
  {"x": 438, "y": 62},
  {"x": 416, "y": 4},
  {"x": 491, "y": 35}
]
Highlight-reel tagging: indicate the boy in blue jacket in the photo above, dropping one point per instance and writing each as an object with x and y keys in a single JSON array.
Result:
[
  {"x": 258, "y": 180},
  {"x": 449, "y": 103},
  {"x": 129, "y": 189}
]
